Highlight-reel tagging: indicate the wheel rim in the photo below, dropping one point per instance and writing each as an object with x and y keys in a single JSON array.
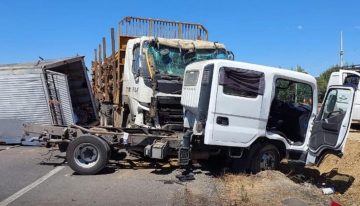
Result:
[
  {"x": 86, "y": 155},
  {"x": 267, "y": 161}
]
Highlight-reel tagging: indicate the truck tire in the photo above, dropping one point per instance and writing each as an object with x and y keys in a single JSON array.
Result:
[
  {"x": 264, "y": 158},
  {"x": 87, "y": 155}
]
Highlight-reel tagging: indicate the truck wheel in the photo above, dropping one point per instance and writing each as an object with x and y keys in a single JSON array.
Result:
[
  {"x": 87, "y": 155},
  {"x": 265, "y": 158}
]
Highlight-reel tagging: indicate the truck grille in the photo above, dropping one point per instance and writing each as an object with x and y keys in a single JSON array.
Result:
[{"x": 170, "y": 110}]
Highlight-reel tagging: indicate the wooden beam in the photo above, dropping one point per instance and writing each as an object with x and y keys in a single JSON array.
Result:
[
  {"x": 95, "y": 59},
  {"x": 100, "y": 61},
  {"x": 113, "y": 42},
  {"x": 104, "y": 48}
]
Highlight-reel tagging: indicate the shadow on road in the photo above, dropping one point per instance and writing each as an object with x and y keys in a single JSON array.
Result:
[
  {"x": 216, "y": 167},
  {"x": 355, "y": 127}
]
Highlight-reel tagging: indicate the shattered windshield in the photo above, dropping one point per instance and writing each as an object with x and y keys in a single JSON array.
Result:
[{"x": 172, "y": 61}]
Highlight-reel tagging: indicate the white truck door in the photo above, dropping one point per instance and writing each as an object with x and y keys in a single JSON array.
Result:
[
  {"x": 331, "y": 126},
  {"x": 237, "y": 106}
]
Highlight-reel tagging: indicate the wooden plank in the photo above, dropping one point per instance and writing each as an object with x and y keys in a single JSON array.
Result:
[{"x": 112, "y": 42}]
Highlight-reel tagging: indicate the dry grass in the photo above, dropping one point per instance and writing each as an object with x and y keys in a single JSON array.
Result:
[
  {"x": 267, "y": 187},
  {"x": 273, "y": 187}
]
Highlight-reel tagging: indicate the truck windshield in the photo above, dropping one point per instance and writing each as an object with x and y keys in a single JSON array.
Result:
[{"x": 172, "y": 61}]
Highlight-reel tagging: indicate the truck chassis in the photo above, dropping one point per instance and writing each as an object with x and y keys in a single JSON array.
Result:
[{"x": 88, "y": 149}]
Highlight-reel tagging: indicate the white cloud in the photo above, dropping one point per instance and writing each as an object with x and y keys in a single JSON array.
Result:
[{"x": 299, "y": 27}]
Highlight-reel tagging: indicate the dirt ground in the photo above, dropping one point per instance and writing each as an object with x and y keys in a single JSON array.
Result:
[
  {"x": 296, "y": 185},
  {"x": 337, "y": 169}
]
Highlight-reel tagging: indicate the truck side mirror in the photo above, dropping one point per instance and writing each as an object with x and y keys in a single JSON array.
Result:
[{"x": 230, "y": 55}]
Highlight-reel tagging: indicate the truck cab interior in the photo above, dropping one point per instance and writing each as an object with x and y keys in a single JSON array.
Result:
[{"x": 290, "y": 110}]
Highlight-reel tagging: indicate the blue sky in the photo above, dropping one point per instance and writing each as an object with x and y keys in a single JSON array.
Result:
[{"x": 274, "y": 33}]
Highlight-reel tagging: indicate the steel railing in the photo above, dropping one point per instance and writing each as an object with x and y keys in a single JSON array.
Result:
[{"x": 136, "y": 26}]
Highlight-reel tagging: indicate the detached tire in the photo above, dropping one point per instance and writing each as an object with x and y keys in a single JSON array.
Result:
[
  {"x": 88, "y": 155},
  {"x": 265, "y": 158}
]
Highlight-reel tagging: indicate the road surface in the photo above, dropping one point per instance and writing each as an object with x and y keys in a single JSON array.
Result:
[{"x": 30, "y": 176}]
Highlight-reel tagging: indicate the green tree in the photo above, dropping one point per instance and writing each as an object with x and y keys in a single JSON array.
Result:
[
  {"x": 294, "y": 92},
  {"x": 323, "y": 79},
  {"x": 300, "y": 69}
]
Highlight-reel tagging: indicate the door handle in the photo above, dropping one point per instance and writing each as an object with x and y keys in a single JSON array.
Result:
[{"x": 222, "y": 121}]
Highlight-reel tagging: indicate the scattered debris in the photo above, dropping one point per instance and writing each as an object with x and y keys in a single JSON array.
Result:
[
  {"x": 186, "y": 177},
  {"x": 328, "y": 190}
]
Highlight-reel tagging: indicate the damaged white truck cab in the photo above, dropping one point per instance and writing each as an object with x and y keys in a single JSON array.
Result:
[
  {"x": 154, "y": 69},
  {"x": 139, "y": 85},
  {"x": 262, "y": 114}
]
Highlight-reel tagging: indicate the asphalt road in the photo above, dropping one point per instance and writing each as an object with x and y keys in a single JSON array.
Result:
[{"x": 30, "y": 176}]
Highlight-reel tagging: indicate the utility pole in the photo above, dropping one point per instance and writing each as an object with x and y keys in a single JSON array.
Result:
[{"x": 341, "y": 50}]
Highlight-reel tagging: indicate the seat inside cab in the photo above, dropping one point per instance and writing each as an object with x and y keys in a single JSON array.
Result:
[{"x": 290, "y": 110}]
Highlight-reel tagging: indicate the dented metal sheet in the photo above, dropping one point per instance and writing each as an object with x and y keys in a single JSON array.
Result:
[
  {"x": 28, "y": 95},
  {"x": 23, "y": 97},
  {"x": 61, "y": 87}
]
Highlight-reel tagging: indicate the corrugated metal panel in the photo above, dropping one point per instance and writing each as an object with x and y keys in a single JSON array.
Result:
[
  {"x": 23, "y": 97},
  {"x": 63, "y": 95},
  {"x": 32, "y": 67}
]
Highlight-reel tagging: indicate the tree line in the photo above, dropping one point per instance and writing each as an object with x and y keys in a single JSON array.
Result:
[{"x": 322, "y": 80}]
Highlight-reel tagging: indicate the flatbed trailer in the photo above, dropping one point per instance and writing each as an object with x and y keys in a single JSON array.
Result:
[{"x": 88, "y": 149}]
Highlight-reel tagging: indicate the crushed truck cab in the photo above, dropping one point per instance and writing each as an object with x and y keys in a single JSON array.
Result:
[
  {"x": 153, "y": 74},
  {"x": 139, "y": 85},
  {"x": 263, "y": 113}
]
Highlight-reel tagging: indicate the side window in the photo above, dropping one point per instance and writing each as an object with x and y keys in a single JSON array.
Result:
[
  {"x": 242, "y": 82},
  {"x": 336, "y": 103},
  {"x": 351, "y": 80},
  {"x": 136, "y": 59},
  {"x": 295, "y": 93},
  {"x": 191, "y": 78}
]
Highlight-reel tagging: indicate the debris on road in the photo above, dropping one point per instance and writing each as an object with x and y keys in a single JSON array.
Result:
[{"x": 328, "y": 190}]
